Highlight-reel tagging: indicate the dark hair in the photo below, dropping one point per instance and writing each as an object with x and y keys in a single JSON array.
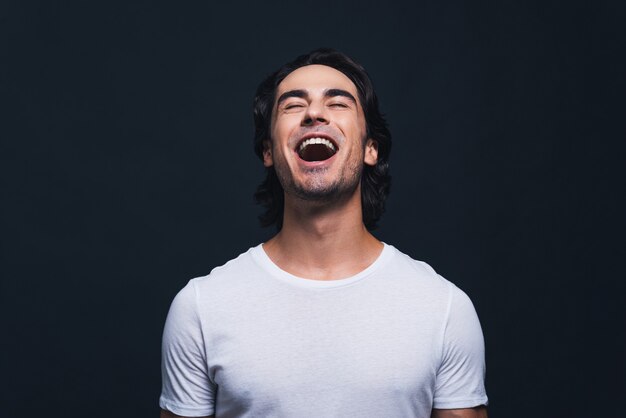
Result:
[{"x": 375, "y": 181}]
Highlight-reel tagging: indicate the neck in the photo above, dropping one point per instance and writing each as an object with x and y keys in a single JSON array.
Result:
[{"x": 323, "y": 242}]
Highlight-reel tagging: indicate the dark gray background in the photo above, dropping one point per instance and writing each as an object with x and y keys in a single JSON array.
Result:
[{"x": 127, "y": 169}]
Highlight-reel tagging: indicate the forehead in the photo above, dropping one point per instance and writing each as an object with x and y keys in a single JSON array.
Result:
[{"x": 316, "y": 78}]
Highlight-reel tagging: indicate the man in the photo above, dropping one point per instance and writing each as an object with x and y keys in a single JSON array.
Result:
[{"x": 323, "y": 320}]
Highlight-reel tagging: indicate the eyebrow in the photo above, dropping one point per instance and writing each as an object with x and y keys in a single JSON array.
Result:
[
  {"x": 339, "y": 92},
  {"x": 303, "y": 94},
  {"x": 291, "y": 93}
]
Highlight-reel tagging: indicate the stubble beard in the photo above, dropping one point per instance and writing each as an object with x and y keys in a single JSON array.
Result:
[{"x": 318, "y": 190}]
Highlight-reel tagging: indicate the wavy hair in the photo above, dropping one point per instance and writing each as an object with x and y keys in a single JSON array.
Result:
[{"x": 375, "y": 180}]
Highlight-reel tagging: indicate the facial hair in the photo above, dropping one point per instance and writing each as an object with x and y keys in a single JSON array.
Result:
[{"x": 319, "y": 190}]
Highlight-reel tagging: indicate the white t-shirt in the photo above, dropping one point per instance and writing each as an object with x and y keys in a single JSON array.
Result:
[{"x": 251, "y": 340}]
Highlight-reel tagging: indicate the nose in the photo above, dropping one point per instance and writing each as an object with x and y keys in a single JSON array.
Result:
[{"x": 315, "y": 115}]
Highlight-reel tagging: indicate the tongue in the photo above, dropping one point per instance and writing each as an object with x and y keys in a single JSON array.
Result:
[{"x": 316, "y": 152}]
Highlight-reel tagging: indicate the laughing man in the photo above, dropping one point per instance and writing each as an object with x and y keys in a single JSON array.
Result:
[{"x": 322, "y": 320}]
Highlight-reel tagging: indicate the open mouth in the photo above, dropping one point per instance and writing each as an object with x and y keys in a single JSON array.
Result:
[{"x": 316, "y": 149}]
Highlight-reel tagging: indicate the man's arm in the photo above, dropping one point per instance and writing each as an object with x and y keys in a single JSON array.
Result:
[
  {"x": 477, "y": 412},
  {"x": 186, "y": 386},
  {"x": 168, "y": 414},
  {"x": 459, "y": 387}
]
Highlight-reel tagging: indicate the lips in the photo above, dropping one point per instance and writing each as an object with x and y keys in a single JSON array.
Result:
[{"x": 316, "y": 148}]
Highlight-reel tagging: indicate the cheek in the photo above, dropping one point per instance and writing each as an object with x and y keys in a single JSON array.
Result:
[
  {"x": 362, "y": 126},
  {"x": 355, "y": 126},
  {"x": 281, "y": 129}
]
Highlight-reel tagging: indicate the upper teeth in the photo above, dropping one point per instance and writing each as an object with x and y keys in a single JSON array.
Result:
[{"x": 317, "y": 141}]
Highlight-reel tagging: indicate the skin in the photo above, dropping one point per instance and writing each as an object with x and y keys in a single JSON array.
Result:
[
  {"x": 477, "y": 412},
  {"x": 168, "y": 414},
  {"x": 329, "y": 222},
  {"x": 323, "y": 199}
]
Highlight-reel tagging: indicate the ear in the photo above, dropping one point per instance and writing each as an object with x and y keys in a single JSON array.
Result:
[
  {"x": 371, "y": 152},
  {"x": 268, "y": 161}
]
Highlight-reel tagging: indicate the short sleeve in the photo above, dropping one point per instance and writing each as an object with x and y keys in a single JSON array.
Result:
[
  {"x": 460, "y": 377},
  {"x": 186, "y": 387}
]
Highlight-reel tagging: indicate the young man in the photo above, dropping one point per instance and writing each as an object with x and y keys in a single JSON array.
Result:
[{"x": 323, "y": 320}]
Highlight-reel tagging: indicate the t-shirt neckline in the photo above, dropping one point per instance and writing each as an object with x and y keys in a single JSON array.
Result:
[{"x": 261, "y": 257}]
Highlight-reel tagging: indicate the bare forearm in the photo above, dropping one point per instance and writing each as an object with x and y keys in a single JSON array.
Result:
[
  {"x": 168, "y": 414},
  {"x": 478, "y": 412}
]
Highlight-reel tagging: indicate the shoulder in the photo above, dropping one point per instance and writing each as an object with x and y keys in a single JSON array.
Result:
[
  {"x": 215, "y": 291},
  {"x": 423, "y": 279},
  {"x": 227, "y": 274},
  {"x": 224, "y": 283},
  {"x": 417, "y": 272}
]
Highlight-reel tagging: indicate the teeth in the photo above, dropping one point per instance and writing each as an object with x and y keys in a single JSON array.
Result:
[{"x": 317, "y": 141}]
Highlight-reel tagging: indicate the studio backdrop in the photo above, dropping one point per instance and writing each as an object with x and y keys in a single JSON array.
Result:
[{"x": 128, "y": 169}]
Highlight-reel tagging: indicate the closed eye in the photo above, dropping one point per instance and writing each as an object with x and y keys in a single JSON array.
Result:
[{"x": 293, "y": 106}]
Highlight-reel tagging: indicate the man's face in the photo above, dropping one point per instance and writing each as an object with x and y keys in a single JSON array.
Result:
[{"x": 318, "y": 131}]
